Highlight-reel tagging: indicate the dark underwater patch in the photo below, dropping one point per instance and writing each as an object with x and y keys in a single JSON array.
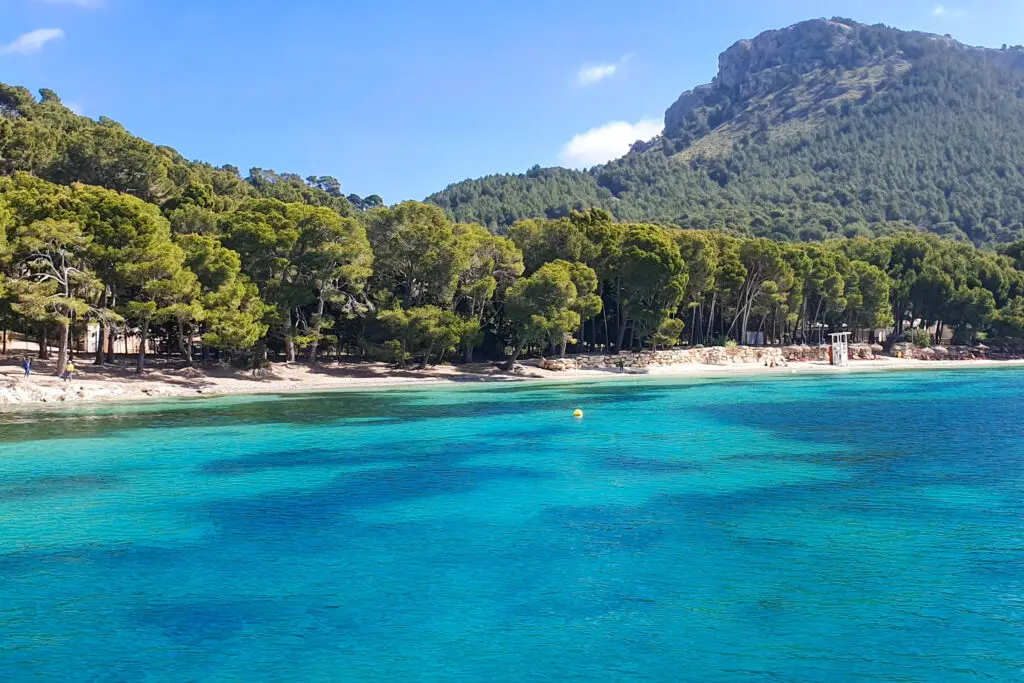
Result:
[{"x": 55, "y": 485}]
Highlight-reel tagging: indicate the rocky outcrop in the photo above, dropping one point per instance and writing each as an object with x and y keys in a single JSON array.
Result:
[
  {"x": 754, "y": 67},
  {"x": 749, "y": 66},
  {"x": 687, "y": 102},
  {"x": 759, "y": 355},
  {"x": 701, "y": 355},
  {"x": 907, "y": 350},
  {"x": 769, "y": 62},
  {"x": 16, "y": 391}
]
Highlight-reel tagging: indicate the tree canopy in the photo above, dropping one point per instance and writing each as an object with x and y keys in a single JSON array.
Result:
[{"x": 836, "y": 176}]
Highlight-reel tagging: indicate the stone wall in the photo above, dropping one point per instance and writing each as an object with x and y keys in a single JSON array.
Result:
[
  {"x": 905, "y": 350},
  {"x": 703, "y": 355}
]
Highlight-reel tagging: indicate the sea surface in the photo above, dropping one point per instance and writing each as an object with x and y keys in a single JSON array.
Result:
[{"x": 804, "y": 528}]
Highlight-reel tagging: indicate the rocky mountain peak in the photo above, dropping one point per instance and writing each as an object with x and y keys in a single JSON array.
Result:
[
  {"x": 808, "y": 43},
  {"x": 776, "y": 59}
]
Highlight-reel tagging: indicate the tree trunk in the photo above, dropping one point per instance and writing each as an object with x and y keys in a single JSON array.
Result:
[
  {"x": 62, "y": 347},
  {"x": 110, "y": 345},
  {"x": 467, "y": 354},
  {"x": 289, "y": 338},
  {"x": 101, "y": 334},
  {"x": 711, "y": 317},
  {"x": 5, "y": 342},
  {"x": 800, "y": 318},
  {"x": 510, "y": 363},
  {"x": 44, "y": 344},
  {"x": 184, "y": 344},
  {"x": 623, "y": 321},
  {"x": 101, "y": 339},
  {"x": 604, "y": 313},
  {"x": 817, "y": 311},
  {"x": 71, "y": 344},
  {"x": 317, "y": 317},
  {"x": 620, "y": 324},
  {"x": 140, "y": 362}
]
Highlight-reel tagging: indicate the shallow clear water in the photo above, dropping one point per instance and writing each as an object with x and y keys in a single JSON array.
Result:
[{"x": 862, "y": 527}]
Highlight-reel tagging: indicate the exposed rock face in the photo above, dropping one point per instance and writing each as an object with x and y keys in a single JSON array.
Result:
[
  {"x": 752, "y": 67},
  {"x": 687, "y": 102},
  {"x": 765, "y": 63},
  {"x": 741, "y": 68},
  {"x": 639, "y": 146}
]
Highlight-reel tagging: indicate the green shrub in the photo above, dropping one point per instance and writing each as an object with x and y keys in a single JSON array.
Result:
[
  {"x": 920, "y": 338},
  {"x": 393, "y": 352}
]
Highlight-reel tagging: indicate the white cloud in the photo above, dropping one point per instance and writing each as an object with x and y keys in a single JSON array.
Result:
[
  {"x": 32, "y": 42},
  {"x": 75, "y": 107},
  {"x": 589, "y": 75},
  {"x": 943, "y": 11},
  {"x": 607, "y": 142}
]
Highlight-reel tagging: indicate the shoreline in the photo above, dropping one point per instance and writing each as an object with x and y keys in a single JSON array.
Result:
[{"x": 95, "y": 384}]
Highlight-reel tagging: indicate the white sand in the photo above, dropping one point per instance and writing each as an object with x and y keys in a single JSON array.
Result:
[{"x": 164, "y": 379}]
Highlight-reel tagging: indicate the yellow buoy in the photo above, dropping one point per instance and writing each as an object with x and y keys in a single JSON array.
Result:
[{"x": 577, "y": 413}]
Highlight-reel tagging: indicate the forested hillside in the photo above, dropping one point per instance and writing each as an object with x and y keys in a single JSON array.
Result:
[
  {"x": 45, "y": 138},
  {"x": 828, "y": 128}
]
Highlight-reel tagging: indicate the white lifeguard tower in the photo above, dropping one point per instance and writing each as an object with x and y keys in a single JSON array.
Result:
[{"x": 839, "y": 353}]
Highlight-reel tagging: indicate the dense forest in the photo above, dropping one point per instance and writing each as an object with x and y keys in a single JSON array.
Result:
[
  {"x": 101, "y": 228},
  {"x": 825, "y": 129}
]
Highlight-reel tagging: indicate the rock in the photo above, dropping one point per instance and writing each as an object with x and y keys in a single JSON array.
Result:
[
  {"x": 639, "y": 146},
  {"x": 558, "y": 364},
  {"x": 750, "y": 66},
  {"x": 863, "y": 351},
  {"x": 902, "y": 350},
  {"x": 960, "y": 353},
  {"x": 675, "y": 116}
]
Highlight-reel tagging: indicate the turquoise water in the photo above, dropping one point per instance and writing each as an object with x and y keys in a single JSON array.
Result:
[{"x": 861, "y": 527}]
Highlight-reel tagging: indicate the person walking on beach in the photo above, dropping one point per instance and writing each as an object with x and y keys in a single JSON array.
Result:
[
  {"x": 26, "y": 364},
  {"x": 69, "y": 371}
]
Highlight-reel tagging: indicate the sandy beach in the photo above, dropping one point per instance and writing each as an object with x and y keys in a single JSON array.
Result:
[{"x": 166, "y": 379}]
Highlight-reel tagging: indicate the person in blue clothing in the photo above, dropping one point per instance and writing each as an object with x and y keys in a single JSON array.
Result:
[{"x": 26, "y": 364}]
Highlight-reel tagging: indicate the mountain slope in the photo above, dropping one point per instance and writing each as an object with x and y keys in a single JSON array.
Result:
[{"x": 827, "y": 127}]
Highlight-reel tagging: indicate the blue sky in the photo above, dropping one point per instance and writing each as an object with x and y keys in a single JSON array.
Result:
[{"x": 403, "y": 97}]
